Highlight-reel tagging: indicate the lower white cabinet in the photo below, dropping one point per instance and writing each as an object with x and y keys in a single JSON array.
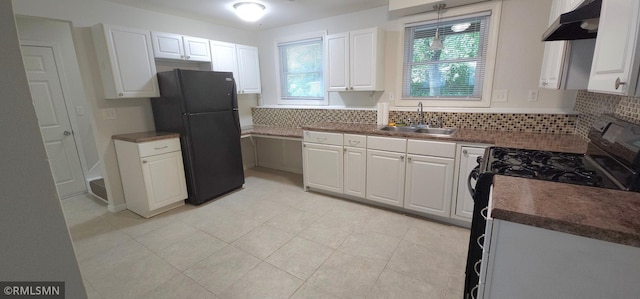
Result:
[
  {"x": 429, "y": 184},
  {"x": 468, "y": 161},
  {"x": 152, "y": 175},
  {"x": 323, "y": 163},
  {"x": 385, "y": 177},
  {"x": 355, "y": 171}
]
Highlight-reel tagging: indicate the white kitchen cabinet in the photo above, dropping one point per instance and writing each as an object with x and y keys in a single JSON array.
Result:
[
  {"x": 467, "y": 162},
  {"x": 152, "y": 175},
  {"x": 180, "y": 47},
  {"x": 356, "y": 60},
  {"x": 355, "y": 165},
  {"x": 386, "y": 169},
  {"x": 616, "y": 57},
  {"x": 242, "y": 61},
  {"x": 323, "y": 161},
  {"x": 125, "y": 59},
  {"x": 429, "y": 184}
]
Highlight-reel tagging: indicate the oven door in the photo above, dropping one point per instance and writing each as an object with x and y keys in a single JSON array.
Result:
[{"x": 481, "y": 194}]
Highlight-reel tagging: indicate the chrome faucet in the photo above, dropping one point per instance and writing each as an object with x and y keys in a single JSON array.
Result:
[{"x": 420, "y": 114}]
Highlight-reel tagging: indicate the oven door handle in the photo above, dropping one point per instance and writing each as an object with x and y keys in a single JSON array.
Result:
[{"x": 473, "y": 175}]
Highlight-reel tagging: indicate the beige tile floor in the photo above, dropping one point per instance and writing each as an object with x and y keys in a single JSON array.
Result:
[{"x": 268, "y": 240}]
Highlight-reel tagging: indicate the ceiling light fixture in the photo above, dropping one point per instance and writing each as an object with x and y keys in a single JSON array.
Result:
[
  {"x": 249, "y": 11},
  {"x": 437, "y": 42}
]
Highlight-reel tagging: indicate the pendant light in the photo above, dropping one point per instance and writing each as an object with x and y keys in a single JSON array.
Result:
[{"x": 437, "y": 42}]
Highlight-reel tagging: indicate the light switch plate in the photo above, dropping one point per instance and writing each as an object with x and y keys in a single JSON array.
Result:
[
  {"x": 500, "y": 95},
  {"x": 533, "y": 95},
  {"x": 109, "y": 113}
]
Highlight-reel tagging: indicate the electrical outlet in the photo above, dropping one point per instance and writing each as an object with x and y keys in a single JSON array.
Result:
[
  {"x": 391, "y": 97},
  {"x": 500, "y": 95},
  {"x": 533, "y": 95},
  {"x": 109, "y": 113}
]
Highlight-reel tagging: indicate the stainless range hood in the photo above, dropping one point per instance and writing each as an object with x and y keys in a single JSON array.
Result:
[{"x": 581, "y": 23}]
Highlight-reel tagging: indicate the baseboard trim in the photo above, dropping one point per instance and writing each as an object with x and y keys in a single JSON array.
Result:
[{"x": 116, "y": 208}]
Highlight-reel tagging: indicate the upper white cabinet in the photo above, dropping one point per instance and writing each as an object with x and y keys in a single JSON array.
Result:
[
  {"x": 180, "y": 47},
  {"x": 565, "y": 65},
  {"x": 355, "y": 60},
  {"x": 125, "y": 59},
  {"x": 615, "y": 59},
  {"x": 241, "y": 60}
]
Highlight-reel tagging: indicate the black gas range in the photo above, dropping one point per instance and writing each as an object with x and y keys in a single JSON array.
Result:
[{"x": 612, "y": 161}]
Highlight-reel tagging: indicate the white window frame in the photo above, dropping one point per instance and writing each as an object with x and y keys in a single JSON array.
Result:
[
  {"x": 282, "y": 101},
  {"x": 494, "y": 7}
]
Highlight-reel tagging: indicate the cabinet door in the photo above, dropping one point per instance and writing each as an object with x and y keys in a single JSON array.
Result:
[
  {"x": 615, "y": 55},
  {"x": 385, "y": 177},
  {"x": 164, "y": 179},
  {"x": 555, "y": 52},
  {"x": 224, "y": 58},
  {"x": 126, "y": 62},
  {"x": 323, "y": 167},
  {"x": 355, "y": 171},
  {"x": 429, "y": 185},
  {"x": 248, "y": 69},
  {"x": 196, "y": 49},
  {"x": 167, "y": 45},
  {"x": 468, "y": 161},
  {"x": 363, "y": 59},
  {"x": 338, "y": 62}
]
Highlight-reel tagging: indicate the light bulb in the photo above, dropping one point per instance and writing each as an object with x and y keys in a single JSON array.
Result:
[{"x": 249, "y": 11}]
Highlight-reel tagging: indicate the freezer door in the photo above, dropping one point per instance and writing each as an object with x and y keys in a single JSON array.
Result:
[
  {"x": 205, "y": 91},
  {"x": 215, "y": 162}
]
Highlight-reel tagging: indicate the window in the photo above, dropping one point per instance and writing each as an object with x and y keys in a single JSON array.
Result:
[
  {"x": 455, "y": 73},
  {"x": 301, "y": 72}
]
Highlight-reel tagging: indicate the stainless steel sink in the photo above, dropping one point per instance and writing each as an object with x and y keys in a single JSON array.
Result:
[
  {"x": 436, "y": 131},
  {"x": 421, "y": 130},
  {"x": 399, "y": 129}
]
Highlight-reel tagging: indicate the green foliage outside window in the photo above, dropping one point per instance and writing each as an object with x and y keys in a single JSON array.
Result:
[{"x": 301, "y": 69}]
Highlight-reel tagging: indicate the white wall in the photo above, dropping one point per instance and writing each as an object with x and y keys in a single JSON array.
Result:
[
  {"x": 518, "y": 63},
  {"x": 133, "y": 115},
  {"x": 35, "y": 245}
]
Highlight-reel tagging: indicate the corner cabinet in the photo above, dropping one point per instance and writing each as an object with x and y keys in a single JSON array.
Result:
[
  {"x": 125, "y": 59},
  {"x": 616, "y": 60},
  {"x": 356, "y": 60},
  {"x": 152, "y": 175},
  {"x": 467, "y": 162},
  {"x": 180, "y": 47},
  {"x": 323, "y": 161},
  {"x": 242, "y": 61}
]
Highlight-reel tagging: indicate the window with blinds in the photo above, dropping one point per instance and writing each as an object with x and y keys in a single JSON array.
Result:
[
  {"x": 454, "y": 73},
  {"x": 301, "y": 70}
]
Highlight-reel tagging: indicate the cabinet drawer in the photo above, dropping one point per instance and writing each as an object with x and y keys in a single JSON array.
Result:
[
  {"x": 387, "y": 144},
  {"x": 158, "y": 147},
  {"x": 355, "y": 140},
  {"x": 431, "y": 148},
  {"x": 323, "y": 137}
]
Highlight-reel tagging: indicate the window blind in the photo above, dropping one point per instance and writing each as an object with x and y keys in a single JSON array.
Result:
[{"x": 301, "y": 69}]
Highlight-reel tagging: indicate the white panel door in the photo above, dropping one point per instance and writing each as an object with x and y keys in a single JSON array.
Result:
[
  {"x": 355, "y": 171},
  {"x": 468, "y": 161},
  {"x": 224, "y": 58},
  {"x": 323, "y": 167},
  {"x": 338, "y": 62},
  {"x": 167, "y": 45},
  {"x": 429, "y": 185},
  {"x": 363, "y": 59},
  {"x": 53, "y": 118},
  {"x": 616, "y": 57},
  {"x": 196, "y": 49},
  {"x": 385, "y": 177},
  {"x": 164, "y": 179},
  {"x": 248, "y": 69}
]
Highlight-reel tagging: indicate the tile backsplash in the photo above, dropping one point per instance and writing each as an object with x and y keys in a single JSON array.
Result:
[
  {"x": 591, "y": 105},
  {"x": 285, "y": 117}
]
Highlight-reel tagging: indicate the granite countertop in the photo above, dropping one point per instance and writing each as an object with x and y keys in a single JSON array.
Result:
[
  {"x": 274, "y": 131},
  {"x": 145, "y": 136},
  {"x": 526, "y": 140},
  {"x": 598, "y": 213}
]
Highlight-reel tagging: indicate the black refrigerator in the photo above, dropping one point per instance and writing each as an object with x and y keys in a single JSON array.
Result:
[{"x": 203, "y": 107}]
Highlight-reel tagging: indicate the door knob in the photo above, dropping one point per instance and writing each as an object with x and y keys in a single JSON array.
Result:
[
  {"x": 66, "y": 133},
  {"x": 618, "y": 83}
]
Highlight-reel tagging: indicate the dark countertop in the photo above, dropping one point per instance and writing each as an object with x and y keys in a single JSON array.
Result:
[
  {"x": 598, "y": 213},
  {"x": 145, "y": 136}
]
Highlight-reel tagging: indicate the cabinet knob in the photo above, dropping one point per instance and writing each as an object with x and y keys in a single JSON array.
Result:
[
  {"x": 66, "y": 133},
  {"x": 409, "y": 159},
  {"x": 187, "y": 57},
  {"x": 144, "y": 161},
  {"x": 120, "y": 94},
  {"x": 545, "y": 83},
  {"x": 401, "y": 158},
  {"x": 344, "y": 150},
  {"x": 346, "y": 88},
  {"x": 464, "y": 152},
  {"x": 618, "y": 83},
  {"x": 351, "y": 87}
]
